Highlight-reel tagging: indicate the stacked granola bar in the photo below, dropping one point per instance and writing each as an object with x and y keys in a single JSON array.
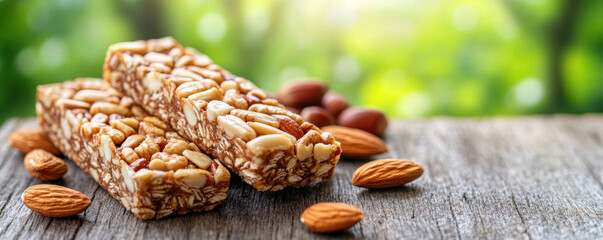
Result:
[
  {"x": 148, "y": 133},
  {"x": 225, "y": 115}
]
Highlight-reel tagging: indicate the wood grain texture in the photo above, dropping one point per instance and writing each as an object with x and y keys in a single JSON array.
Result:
[{"x": 518, "y": 178}]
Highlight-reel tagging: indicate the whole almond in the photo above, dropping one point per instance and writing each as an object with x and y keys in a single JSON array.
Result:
[
  {"x": 289, "y": 125},
  {"x": 318, "y": 116},
  {"x": 334, "y": 103},
  {"x": 54, "y": 201},
  {"x": 27, "y": 139},
  {"x": 44, "y": 166},
  {"x": 386, "y": 173},
  {"x": 370, "y": 120},
  {"x": 330, "y": 217},
  {"x": 302, "y": 94},
  {"x": 356, "y": 143}
]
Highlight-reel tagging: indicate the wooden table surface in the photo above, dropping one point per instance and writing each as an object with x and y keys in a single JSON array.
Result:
[{"x": 520, "y": 178}]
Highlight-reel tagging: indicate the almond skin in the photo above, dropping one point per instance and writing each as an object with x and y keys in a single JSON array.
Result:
[
  {"x": 27, "y": 139},
  {"x": 331, "y": 217},
  {"x": 370, "y": 120},
  {"x": 55, "y": 201},
  {"x": 302, "y": 94},
  {"x": 44, "y": 166},
  {"x": 386, "y": 173},
  {"x": 356, "y": 143}
]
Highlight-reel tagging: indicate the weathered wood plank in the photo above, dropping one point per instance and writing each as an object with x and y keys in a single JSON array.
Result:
[{"x": 522, "y": 178}]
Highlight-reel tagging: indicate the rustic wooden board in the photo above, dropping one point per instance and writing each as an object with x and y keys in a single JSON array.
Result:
[{"x": 522, "y": 178}]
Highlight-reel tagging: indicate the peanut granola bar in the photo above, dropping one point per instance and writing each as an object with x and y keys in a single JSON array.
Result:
[
  {"x": 137, "y": 158},
  {"x": 227, "y": 116}
]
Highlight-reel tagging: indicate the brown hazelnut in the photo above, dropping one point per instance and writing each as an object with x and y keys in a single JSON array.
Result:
[
  {"x": 335, "y": 103},
  {"x": 318, "y": 116},
  {"x": 302, "y": 94},
  {"x": 370, "y": 120}
]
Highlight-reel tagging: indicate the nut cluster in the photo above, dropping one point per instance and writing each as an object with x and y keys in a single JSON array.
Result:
[
  {"x": 357, "y": 132},
  {"x": 41, "y": 162},
  {"x": 316, "y": 104}
]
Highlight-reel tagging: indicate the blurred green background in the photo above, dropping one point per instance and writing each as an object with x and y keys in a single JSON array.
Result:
[{"x": 409, "y": 58}]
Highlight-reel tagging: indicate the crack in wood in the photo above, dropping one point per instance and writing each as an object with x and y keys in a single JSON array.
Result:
[
  {"x": 458, "y": 233},
  {"x": 10, "y": 196},
  {"x": 77, "y": 229},
  {"x": 523, "y": 222}
]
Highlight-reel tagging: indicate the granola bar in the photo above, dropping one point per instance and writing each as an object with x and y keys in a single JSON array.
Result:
[
  {"x": 227, "y": 116},
  {"x": 137, "y": 158}
]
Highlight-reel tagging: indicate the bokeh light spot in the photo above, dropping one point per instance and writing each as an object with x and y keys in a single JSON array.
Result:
[
  {"x": 52, "y": 52},
  {"x": 529, "y": 92},
  {"x": 212, "y": 27},
  {"x": 393, "y": 75},
  {"x": 257, "y": 20},
  {"x": 344, "y": 16},
  {"x": 26, "y": 62},
  {"x": 534, "y": 2},
  {"x": 347, "y": 69},
  {"x": 415, "y": 104},
  {"x": 464, "y": 17},
  {"x": 507, "y": 30}
]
